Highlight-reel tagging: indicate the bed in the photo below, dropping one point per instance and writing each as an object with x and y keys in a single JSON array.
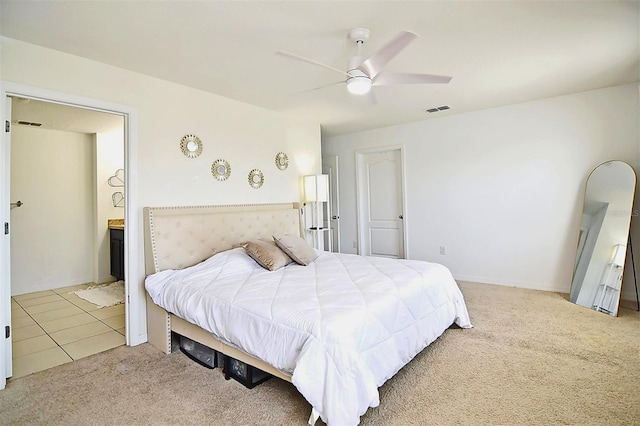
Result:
[{"x": 337, "y": 328}]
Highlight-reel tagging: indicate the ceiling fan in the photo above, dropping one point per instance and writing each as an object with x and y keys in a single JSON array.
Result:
[{"x": 363, "y": 73}]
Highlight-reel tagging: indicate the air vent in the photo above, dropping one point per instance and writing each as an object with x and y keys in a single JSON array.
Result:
[
  {"x": 29, "y": 123},
  {"x": 437, "y": 109}
]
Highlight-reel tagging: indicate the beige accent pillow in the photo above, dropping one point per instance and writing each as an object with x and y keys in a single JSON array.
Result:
[
  {"x": 297, "y": 248},
  {"x": 267, "y": 254}
]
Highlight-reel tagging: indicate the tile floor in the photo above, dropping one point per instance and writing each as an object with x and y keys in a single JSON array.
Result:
[{"x": 54, "y": 327}]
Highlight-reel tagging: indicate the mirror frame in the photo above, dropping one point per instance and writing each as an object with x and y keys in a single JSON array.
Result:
[
  {"x": 215, "y": 169},
  {"x": 603, "y": 238},
  {"x": 256, "y": 178},
  {"x": 186, "y": 143},
  {"x": 282, "y": 161}
]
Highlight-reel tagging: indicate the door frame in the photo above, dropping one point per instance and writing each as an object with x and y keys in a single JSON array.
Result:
[
  {"x": 360, "y": 209},
  {"x": 6, "y": 365},
  {"x": 134, "y": 335},
  {"x": 334, "y": 192}
]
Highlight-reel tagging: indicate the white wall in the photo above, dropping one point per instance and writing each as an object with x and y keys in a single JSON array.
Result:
[
  {"x": 246, "y": 136},
  {"x": 502, "y": 188},
  {"x": 109, "y": 156},
  {"x": 52, "y": 232}
]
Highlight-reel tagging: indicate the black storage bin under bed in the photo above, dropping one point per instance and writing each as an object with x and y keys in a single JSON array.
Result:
[
  {"x": 246, "y": 374},
  {"x": 200, "y": 353}
]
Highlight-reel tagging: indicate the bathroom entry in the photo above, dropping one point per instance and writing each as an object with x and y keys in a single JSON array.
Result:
[{"x": 62, "y": 158}]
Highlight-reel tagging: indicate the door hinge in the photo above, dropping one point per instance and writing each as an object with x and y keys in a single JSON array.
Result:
[
  {"x": 6, "y": 228},
  {"x": 7, "y": 126},
  {"x": 7, "y": 332}
]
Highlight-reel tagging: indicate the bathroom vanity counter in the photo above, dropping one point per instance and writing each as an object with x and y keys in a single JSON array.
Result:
[{"x": 115, "y": 223}]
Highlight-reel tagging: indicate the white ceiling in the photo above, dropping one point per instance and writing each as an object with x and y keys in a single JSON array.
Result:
[
  {"x": 498, "y": 52},
  {"x": 47, "y": 115}
]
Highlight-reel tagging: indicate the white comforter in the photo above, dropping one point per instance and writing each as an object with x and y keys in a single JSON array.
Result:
[{"x": 341, "y": 326}]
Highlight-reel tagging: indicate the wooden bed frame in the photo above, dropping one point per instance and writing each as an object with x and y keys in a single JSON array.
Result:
[{"x": 178, "y": 237}]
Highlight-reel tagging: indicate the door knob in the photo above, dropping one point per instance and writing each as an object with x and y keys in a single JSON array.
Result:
[{"x": 400, "y": 217}]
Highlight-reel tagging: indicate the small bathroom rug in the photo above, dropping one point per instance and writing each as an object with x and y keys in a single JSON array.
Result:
[{"x": 103, "y": 295}]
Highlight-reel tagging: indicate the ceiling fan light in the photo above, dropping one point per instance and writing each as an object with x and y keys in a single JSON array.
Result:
[{"x": 359, "y": 85}]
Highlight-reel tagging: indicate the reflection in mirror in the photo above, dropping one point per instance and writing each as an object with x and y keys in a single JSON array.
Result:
[{"x": 602, "y": 242}]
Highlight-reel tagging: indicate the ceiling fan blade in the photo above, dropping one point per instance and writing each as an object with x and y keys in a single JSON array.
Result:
[
  {"x": 374, "y": 64},
  {"x": 385, "y": 79},
  {"x": 318, "y": 88},
  {"x": 370, "y": 98},
  {"x": 310, "y": 61}
]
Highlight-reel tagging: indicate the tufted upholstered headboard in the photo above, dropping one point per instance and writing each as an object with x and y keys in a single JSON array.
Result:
[{"x": 178, "y": 237}]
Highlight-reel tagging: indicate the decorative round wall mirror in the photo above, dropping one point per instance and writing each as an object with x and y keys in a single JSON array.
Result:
[
  {"x": 256, "y": 178},
  {"x": 282, "y": 161},
  {"x": 191, "y": 146},
  {"x": 603, "y": 237},
  {"x": 220, "y": 169}
]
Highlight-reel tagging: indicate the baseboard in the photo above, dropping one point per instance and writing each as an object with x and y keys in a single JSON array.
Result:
[
  {"x": 515, "y": 283},
  {"x": 628, "y": 296}
]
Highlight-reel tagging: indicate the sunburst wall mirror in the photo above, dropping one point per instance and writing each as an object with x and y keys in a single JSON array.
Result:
[
  {"x": 191, "y": 146},
  {"x": 282, "y": 161},
  {"x": 221, "y": 170},
  {"x": 256, "y": 178}
]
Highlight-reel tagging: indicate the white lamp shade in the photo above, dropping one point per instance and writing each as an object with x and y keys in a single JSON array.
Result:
[
  {"x": 322, "y": 187},
  {"x": 309, "y": 184},
  {"x": 618, "y": 254},
  {"x": 316, "y": 188}
]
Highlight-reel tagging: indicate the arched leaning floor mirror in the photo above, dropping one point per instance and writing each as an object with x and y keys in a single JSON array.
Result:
[{"x": 602, "y": 242}]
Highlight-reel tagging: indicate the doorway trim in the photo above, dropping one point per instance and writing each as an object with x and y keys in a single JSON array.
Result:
[
  {"x": 360, "y": 209},
  {"x": 334, "y": 201},
  {"x": 134, "y": 335}
]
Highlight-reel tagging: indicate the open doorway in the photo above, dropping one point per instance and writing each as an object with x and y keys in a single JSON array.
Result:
[{"x": 65, "y": 161}]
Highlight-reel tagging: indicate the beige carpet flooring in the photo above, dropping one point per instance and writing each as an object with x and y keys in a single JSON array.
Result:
[{"x": 533, "y": 358}]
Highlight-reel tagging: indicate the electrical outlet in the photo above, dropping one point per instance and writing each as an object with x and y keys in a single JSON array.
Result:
[
  {"x": 443, "y": 250},
  {"x": 355, "y": 244}
]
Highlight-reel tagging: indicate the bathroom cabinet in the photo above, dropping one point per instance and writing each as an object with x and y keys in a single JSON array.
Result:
[{"x": 117, "y": 252}]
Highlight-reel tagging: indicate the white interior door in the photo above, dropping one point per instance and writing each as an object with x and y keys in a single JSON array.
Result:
[
  {"x": 6, "y": 368},
  {"x": 47, "y": 166},
  {"x": 330, "y": 167},
  {"x": 380, "y": 194}
]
